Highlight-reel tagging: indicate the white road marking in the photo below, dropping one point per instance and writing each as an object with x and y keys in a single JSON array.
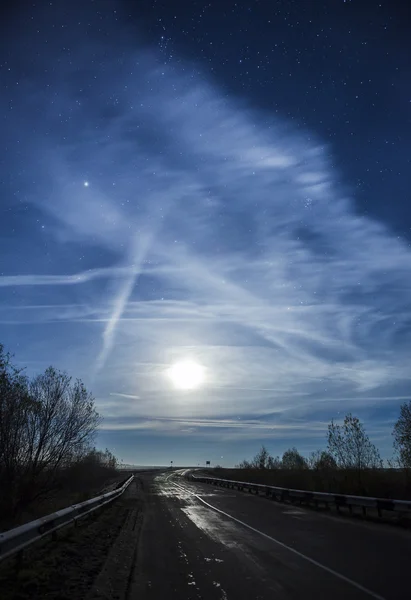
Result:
[{"x": 300, "y": 554}]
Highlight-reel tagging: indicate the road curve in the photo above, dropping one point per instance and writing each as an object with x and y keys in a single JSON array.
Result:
[{"x": 201, "y": 542}]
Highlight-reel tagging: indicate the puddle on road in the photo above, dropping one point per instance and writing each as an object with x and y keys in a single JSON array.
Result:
[
  {"x": 217, "y": 560},
  {"x": 166, "y": 487},
  {"x": 223, "y": 594},
  {"x": 183, "y": 555},
  {"x": 211, "y": 524},
  {"x": 170, "y": 491}
]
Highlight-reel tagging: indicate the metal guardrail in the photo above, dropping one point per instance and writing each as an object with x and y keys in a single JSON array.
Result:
[
  {"x": 15, "y": 540},
  {"x": 290, "y": 495}
]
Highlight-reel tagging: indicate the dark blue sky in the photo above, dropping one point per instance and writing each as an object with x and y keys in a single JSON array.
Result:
[{"x": 226, "y": 183}]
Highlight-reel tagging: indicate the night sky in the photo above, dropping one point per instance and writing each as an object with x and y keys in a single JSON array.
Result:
[{"x": 226, "y": 183}]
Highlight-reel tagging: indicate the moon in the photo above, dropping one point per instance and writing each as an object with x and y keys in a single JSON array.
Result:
[{"x": 186, "y": 374}]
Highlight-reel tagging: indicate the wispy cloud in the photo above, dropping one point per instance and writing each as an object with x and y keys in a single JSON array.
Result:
[
  {"x": 132, "y": 396},
  {"x": 54, "y": 280},
  {"x": 219, "y": 233},
  {"x": 209, "y": 429}
]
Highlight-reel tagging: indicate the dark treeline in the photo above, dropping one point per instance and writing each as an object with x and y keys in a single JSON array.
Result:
[
  {"x": 48, "y": 425},
  {"x": 350, "y": 463}
]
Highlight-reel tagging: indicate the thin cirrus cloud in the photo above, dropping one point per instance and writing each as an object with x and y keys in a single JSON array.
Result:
[
  {"x": 225, "y": 238},
  {"x": 53, "y": 280}
]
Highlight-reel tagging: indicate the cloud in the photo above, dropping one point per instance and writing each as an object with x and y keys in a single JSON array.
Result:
[
  {"x": 228, "y": 429},
  {"x": 132, "y": 396},
  {"x": 213, "y": 231},
  {"x": 53, "y": 280}
]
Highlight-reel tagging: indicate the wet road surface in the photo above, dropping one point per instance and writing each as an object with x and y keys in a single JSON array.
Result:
[{"x": 201, "y": 542}]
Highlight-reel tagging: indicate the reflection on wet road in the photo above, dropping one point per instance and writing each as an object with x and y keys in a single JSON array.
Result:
[{"x": 217, "y": 544}]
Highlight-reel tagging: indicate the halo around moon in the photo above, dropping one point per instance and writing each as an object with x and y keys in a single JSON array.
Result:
[{"x": 186, "y": 374}]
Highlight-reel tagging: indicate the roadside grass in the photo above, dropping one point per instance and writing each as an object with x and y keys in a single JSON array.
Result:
[
  {"x": 66, "y": 567},
  {"x": 62, "y": 498}
]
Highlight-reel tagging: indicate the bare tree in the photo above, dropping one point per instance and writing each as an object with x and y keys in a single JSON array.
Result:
[
  {"x": 45, "y": 425},
  {"x": 15, "y": 406},
  {"x": 260, "y": 460},
  {"x": 292, "y": 459},
  {"x": 402, "y": 435},
  {"x": 244, "y": 464},
  {"x": 350, "y": 446},
  {"x": 63, "y": 425},
  {"x": 320, "y": 460},
  {"x": 109, "y": 460},
  {"x": 95, "y": 460},
  {"x": 274, "y": 462}
]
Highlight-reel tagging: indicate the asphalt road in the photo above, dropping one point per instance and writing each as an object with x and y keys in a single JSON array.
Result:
[{"x": 201, "y": 542}]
